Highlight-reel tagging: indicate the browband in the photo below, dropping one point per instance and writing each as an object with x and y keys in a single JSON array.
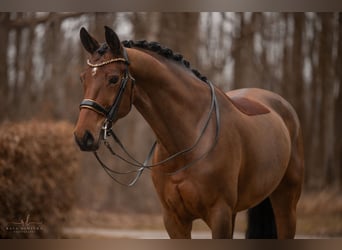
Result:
[
  {"x": 119, "y": 59},
  {"x": 106, "y": 62}
]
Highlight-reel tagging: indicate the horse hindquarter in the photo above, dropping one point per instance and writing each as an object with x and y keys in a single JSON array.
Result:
[{"x": 285, "y": 194}]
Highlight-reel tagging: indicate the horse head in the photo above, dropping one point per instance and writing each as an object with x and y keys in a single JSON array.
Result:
[{"x": 108, "y": 89}]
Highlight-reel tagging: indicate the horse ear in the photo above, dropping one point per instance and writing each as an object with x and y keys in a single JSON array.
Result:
[
  {"x": 113, "y": 41},
  {"x": 88, "y": 42}
]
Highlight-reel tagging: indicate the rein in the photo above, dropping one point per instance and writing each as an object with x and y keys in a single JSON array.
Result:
[
  {"x": 142, "y": 166},
  {"x": 110, "y": 115}
]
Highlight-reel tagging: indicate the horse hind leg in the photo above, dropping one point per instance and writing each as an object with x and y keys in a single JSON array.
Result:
[
  {"x": 285, "y": 197},
  {"x": 275, "y": 217},
  {"x": 261, "y": 221},
  {"x": 284, "y": 203}
]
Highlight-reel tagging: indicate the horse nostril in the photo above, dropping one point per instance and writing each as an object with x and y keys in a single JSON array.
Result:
[
  {"x": 88, "y": 139},
  {"x": 86, "y": 142}
]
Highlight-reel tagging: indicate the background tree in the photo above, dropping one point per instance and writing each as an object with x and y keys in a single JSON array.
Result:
[{"x": 298, "y": 55}]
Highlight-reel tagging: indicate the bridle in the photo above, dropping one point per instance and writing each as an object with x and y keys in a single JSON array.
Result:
[{"x": 111, "y": 113}]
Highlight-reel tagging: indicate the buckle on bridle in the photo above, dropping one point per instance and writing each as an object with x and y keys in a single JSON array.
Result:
[{"x": 106, "y": 127}]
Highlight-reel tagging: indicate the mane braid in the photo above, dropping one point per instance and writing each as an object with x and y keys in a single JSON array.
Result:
[{"x": 165, "y": 52}]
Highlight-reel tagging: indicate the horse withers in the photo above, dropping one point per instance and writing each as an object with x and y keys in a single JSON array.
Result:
[{"x": 216, "y": 153}]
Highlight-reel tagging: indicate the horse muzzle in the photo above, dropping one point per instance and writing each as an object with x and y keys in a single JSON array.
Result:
[{"x": 87, "y": 142}]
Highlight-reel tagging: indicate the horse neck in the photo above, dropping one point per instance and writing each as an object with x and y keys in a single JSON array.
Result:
[{"x": 172, "y": 100}]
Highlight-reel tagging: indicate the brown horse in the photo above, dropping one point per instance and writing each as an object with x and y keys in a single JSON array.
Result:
[{"x": 224, "y": 152}]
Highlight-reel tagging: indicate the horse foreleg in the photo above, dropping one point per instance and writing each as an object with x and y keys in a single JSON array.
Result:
[
  {"x": 221, "y": 222},
  {"x": 177, "y": 228}
]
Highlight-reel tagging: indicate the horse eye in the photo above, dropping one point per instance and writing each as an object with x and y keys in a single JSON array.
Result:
[{"x": 113, "y": 79}]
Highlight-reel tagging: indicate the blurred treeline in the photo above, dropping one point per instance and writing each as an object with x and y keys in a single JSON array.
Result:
[{"x": 298, "y": 55}]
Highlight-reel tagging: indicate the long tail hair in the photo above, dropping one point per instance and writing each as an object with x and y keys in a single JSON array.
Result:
[{"x": 261, "y": 221}]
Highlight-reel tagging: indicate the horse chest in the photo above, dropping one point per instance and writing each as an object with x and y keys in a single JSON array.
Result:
[{"x": 183, "y": 198}]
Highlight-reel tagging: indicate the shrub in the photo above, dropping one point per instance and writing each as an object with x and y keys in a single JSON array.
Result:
[{"x": 38, "y": 166}]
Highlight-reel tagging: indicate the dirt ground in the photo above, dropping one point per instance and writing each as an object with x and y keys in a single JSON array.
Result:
[{"x": 319, "y": 215}]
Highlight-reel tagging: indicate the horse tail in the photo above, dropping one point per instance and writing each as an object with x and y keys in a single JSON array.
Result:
[{"x": 261, "y": 221}]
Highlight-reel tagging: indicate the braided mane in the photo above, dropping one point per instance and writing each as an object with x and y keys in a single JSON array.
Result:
[{"x": 165, "y": 52}]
